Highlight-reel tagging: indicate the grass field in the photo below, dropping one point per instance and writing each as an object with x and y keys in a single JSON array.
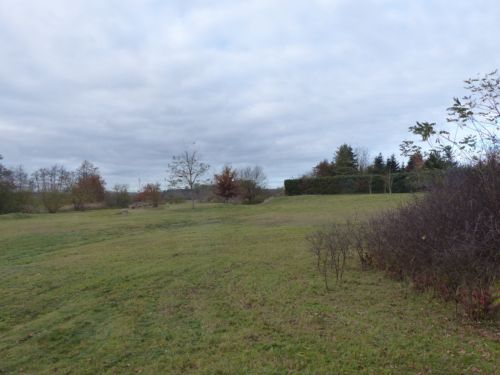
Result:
[{"x": 221, "y": 289}]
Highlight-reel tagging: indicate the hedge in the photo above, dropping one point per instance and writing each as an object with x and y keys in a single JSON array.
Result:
[{"x": 353, "y": 184}]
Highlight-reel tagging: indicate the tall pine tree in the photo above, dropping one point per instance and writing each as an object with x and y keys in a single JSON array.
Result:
[
  {"x": 392, "y": 164},
  {"x": 378, "y": 165},
  {"x": 345, "y": 160}
]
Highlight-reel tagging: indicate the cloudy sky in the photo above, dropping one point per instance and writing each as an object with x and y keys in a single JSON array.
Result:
[{"x": 127, "y": 84}]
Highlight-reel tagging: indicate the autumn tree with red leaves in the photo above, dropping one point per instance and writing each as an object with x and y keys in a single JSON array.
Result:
[
  {"x": 88, "y": 187},
  {"x": 226, "y": 185},
  {"x": 415, "y": 162},
  {"x": 151, "y": 193},
  {"x": 323, "y": 169}
]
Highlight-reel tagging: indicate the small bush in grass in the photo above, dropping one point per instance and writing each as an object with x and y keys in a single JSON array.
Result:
[
  {"x": 357, "y": 232},
  {"x": 330, "y": 247},
  {"x": 151, "y": 194},
  {"x": 119, "y": 197},
  {"x": 448, "y": 240},
  {"x": 175, "y": 199}
]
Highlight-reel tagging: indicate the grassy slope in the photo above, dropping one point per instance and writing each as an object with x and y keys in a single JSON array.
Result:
[{"x": 221, "y": 289}]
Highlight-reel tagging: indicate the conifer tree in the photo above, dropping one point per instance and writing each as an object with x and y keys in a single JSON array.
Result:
[
  {"x": 392, "y": 164},
  {"x": 346, "y": 162},
  {"x": 378, "y": 165}
]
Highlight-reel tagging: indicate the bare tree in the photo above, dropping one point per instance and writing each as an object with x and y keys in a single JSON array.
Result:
[
  {"x": 251, "y": 180},
  {"x": 363, "y": 156},
  {"x": 120, "y": 196},
  {"x": 54, "y": 185},
  {"x": 185, "y": 170},
  {"x": 15, "y": 190}
]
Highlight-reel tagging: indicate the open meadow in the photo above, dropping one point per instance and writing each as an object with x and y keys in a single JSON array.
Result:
[{"x": 221, "y": 289}]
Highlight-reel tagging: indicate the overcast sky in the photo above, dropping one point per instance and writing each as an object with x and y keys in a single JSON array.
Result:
[{"x": 127, "y": 84}]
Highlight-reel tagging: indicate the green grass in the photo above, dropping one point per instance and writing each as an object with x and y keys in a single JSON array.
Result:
[{"x": 221, "y": 289}]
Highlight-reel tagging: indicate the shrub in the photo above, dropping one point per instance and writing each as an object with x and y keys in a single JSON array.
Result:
[
  {"x": 53, "y": 186},
  {"x": 448, "y": 240},
  {"x": 251, "y": 183},
  {"x": 331, "y": 246},
  {"x": 150, "y": 194},
  {"x": 174, "y": 199},
  {"x": 358, "y": 243},
  {"x": 119, "y": 197}
]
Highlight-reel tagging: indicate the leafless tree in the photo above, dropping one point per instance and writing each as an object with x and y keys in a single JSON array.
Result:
[
  {"x": 54, "y": 185},
  {"x": 185, "y": 171},
  {"x": 120, "y": 196},
  {"x": 363, "y": 156},
  {"x": 251, "y": 181}
]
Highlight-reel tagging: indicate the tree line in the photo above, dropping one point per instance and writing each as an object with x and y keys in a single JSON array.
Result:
[
  {"x": 351, "y": 171},
  {"x": 348, "y": 161},
  {"x": 471, "y": 131},
  {"x": 55, "y": 187},
  {"x": 448, "y": 240}
]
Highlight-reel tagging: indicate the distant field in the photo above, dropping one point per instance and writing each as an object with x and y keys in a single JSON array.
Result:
[{"x": 221, "y": 289}]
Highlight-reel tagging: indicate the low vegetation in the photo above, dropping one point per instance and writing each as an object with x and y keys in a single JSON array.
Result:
[
  {"x": 220, "y": 289},
  {"x": 447, "y": 240}
]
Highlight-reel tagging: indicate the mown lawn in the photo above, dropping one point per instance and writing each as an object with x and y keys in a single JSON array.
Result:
[{"x": 221, "y": 289}]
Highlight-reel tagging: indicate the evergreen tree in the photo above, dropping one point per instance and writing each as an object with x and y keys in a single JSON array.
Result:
[
  {"x": 378, "y": 165},
  {"x": 345, "y": 160},
  {"x": 440, "y": 159},
  {"x": 449, "y": 159},
  {"x": 392, "y": 164}
]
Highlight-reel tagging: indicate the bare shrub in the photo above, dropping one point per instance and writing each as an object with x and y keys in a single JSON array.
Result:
[
  {"x": 317, "y": 247},
  {"x": 448, "y": 240},
  {"x": 331, "y": 247},
  {"x": 53, "y": 185},
  {"x": 357, "y": 232}
]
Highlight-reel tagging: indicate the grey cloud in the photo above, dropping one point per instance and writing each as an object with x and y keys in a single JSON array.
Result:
[{"x": 127, "y": 84}]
